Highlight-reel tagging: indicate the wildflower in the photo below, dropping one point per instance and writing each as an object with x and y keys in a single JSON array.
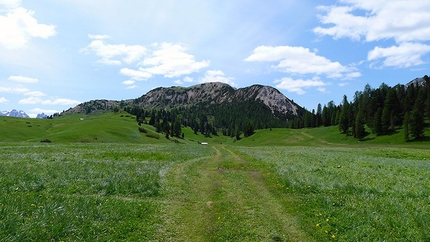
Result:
[
  {"x": 33, "y": 205},
  {"x": 317, "y": 225},
  {"x": 333, "y": 236},
  {"x": 40, "y": 207},
  {"x": 326, "y": 219}
]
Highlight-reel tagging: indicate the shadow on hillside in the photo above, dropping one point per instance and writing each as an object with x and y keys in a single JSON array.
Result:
[{"x": 422, "y": 139}]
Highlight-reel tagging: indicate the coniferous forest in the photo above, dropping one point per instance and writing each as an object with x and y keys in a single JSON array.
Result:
[{"x": 380, "y": 110}]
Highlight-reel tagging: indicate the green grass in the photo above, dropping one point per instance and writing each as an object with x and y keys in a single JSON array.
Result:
[
  {"x": 103, "y": 128},
  {"x": 350, "y": 194},
  {"x": 90, "y": 192},
  {"x": 100, "y": 192},
  {"x": 102, "y": 180}
]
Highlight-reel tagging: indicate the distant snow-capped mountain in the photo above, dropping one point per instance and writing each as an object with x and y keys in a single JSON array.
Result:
[
  {"x": 14, "y": 113},
  {"x": 42, "y": 115}
]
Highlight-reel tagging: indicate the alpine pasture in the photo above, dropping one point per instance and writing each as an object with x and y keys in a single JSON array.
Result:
[{"x": 100, "y": 179}]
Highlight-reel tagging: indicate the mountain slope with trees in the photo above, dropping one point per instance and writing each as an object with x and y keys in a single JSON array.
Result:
[
  {"x": 382, "y": 110},
  {"x": 207, "y": 108}
]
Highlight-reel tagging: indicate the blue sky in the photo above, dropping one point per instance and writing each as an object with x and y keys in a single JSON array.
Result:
[{"x": 57, "y": 54}]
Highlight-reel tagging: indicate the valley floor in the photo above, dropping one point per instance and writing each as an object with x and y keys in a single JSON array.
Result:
[{"x": 224, "y": 197}]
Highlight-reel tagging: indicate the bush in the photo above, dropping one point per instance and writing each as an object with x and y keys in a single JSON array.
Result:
[{"x": 155, "y": 136}]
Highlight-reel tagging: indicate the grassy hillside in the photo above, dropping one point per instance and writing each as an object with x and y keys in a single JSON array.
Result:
[
  {"x": 103, "y": 128},
  {"x": 325, "y": 136},
  {"x": 122, "y": 128}
]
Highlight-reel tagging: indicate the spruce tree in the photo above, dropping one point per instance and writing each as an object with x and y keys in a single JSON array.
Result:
[
  {"x": 406, "y": 126},
  {"x": 359, "y": 126}
]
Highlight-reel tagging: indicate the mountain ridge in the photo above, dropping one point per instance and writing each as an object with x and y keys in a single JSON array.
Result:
[
  {"x": 213, "y": 93},
  {"x": 14, "y": 113}
]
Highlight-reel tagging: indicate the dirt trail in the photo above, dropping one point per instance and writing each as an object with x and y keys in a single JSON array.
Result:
[{"x": 225, "y": 198}]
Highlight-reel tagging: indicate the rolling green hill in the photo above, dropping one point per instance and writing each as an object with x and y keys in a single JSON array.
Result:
[
  {"x": 105, "y": 128},
  {"x": 122, "y": 128}
]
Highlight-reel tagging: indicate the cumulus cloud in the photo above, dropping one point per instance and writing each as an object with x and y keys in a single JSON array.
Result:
[
  {"x": 298, "y": 86},
  {"x": 3, "y": 100},
  {"x": 23, "y": 79},
  {"x": 35, "y": 94},
  {"x": 404, "y": 55},
  {"x": 300, "y": 60},
  {"x": 407, "y": 22},
  {"x": 186, "y": 79},
  {"x": 402, "y": 20},
  {"x": 171, "y": 60},
  {"x": 16, "y": 90},
  {"x": 18, "y": 25},
  {"x": 33, "y": 112},
  {"x": 58, "y": 101},
  {"x": 135, "y": 75},
  {"x": 30, "y": 100},
  {"x": 166, "y": 59},
  {"x": 217, "y": 76},
  {"x": 128, "y": 82},
  {"x": 61, "y": 101},
  {"x": 112, "y": 54}
]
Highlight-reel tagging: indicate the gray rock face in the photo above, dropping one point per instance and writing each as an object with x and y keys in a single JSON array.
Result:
[
  {"x": 212, "y": 93},
  {"x": 217, "y": 93}
]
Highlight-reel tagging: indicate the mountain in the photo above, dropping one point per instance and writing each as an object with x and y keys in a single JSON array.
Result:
[
  {"x": 214, "y": 93},
  {"x": 14, "y": 113},
  {"x": 419, "y": 81},
  {"x": 217, "y": 104},
  {"x": 41, "y": 115}
]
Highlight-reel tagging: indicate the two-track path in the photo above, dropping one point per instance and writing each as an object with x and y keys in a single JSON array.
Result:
[{"x": 225, "y": 198}]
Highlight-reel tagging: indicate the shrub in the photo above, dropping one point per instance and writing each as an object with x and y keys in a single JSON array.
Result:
[{"x": 155, "y": 136}]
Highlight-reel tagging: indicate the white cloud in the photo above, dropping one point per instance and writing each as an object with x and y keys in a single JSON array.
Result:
[
  {"x": 18, "y": 25},
  {"x": 217, "y": 76},
  {"x": 131, "y": 87},
  {"x": 404, "y": 55},
  {"x": 30, "y": 100},
  {"x": 18, "y": 89},
  {"x": 35, "y": 111},
  {"x": 128, "y": 82},
  {"x": 114, "y": 54},
  {"x": 407, "y": 22},
  {"x": 402, "y": 20},
  {"x": 3, "y": 100},
  {"x": 61, "y": 101},
  {"x": 298, "y": 85},
  {"x": 11, "y": 4},
  {"x": 300, "y": 60},
  {"x": 99, "y": 36},
  {"x": 186, "y": 79},
  {"x": 58, "y": 101},
  {"x": 171, "y": 60},
  {"x": 136, "y": 75},
  {"x": 35, "y": 94},
  {"x": 23, "y": 79}
]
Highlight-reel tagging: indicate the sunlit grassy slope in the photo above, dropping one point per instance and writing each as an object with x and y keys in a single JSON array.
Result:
[
  {"x": 106, "y": 128},
  {"x": 122, "y": 127}
]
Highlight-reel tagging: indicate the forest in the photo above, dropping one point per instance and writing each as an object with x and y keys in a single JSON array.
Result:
[{"x": 382, "y": 110}]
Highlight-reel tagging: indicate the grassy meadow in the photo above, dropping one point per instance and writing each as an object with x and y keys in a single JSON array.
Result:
[{"x": 102, "y": 180}]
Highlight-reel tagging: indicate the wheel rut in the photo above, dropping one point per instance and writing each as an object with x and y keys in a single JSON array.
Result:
[{"x": 224, "y": 197}]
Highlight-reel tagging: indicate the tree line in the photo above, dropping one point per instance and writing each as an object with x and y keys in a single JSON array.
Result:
[
  {"x": 232, "y": 119},
  {"x": 381, "y": 109}
]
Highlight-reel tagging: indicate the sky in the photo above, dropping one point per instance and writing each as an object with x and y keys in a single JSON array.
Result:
[{"x": 57, "y": 54}]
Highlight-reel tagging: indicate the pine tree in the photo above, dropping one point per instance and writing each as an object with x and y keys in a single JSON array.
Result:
[
  {"x": 377, "y": 125},
  {"x": 406, "y": 126},
  {"x": 359, "y": 126}
]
